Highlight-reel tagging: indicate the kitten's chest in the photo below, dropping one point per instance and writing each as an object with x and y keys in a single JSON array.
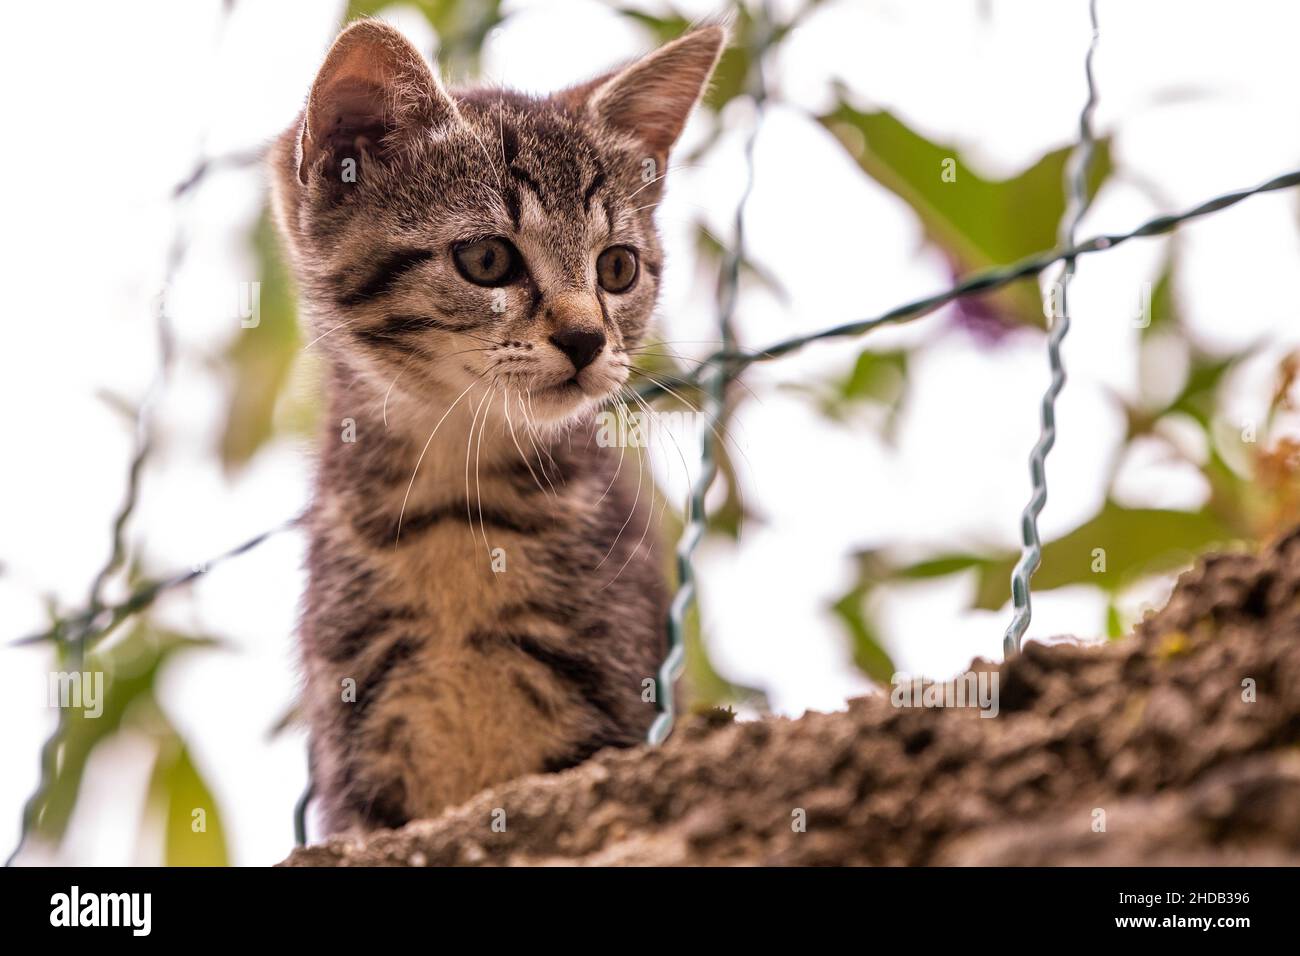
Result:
[{"x": 464, "y": 575}]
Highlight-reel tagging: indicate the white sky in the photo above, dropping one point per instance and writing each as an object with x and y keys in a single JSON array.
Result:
[{"x": 107, "y": 112}]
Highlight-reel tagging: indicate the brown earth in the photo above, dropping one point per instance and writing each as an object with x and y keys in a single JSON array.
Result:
[{"x": 1158, "y": 732}]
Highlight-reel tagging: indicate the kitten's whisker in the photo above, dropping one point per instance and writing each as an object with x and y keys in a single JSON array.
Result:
[
  {"x": 486, "y": 155},
  {"x": 686, "y": 470},
  {"x": 398, "y": 537},
  {"x": 662, "y": 175},
  {"x": 469, "y": 444},
  {"x": 510, "y": 425},
  {"x": 622, "y": 450},
  {"x": 478, "y": 484},
  {"x": 501, "y": 130},
  {"x": 486, "y": 340},
  {"x": 653, "y": 349},
  {"x": 541, "y": 450},
  {"x": 717, "y": 434},
  {"x": 668, "y": 343},
  {"x": 691, "y": 405},
  {"x": 323, "y": 334},
  {"x": 686, "y": 382},
  {"x": 405, "y": 363},
  {"x": 650, "y": 515},
  {"x": 676, "y": 356},
  {"x": 640, "y": 469}
]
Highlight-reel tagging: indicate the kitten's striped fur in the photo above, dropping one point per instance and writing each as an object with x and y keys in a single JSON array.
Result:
[{"x": 465, "y": 677}]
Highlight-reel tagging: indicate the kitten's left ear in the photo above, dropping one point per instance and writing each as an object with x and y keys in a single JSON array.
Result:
[
  {"x": 653, "y": 97},
  {"x": 373, "y": 88}
]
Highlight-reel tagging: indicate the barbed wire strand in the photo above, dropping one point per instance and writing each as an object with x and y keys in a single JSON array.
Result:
[
  {"x": 1076, "y": 181},
  {"x": 712, "y": 408}
]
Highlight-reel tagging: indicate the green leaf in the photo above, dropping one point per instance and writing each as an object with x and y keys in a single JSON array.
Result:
[
  {"x": 1134, "y": 542},
  {"x": 193, "y": 834},
  {"x": 878, "y": 376},
  {"x": 731, "y": 515},
  {"x": 938, "y": 567},
  {"x": 1163, "y": 306},
  {"x": 1114, "y": 623},
  {"x": 1199, "y": 392},
  {"x": 980, "y": 223},
  {"x": 869, "y": 654}
]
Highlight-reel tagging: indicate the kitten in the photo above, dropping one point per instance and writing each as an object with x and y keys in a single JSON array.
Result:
[{"x": 485, "y": 595}]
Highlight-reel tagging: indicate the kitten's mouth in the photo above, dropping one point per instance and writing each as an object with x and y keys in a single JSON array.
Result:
[
  {"x": 564, "y": 398},
  {"x": 567, "y": 387}
]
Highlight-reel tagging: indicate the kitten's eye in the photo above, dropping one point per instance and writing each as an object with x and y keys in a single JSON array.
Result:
[
  {"x": 616, "y": 269},
  {"x": 489, "y": 262}
]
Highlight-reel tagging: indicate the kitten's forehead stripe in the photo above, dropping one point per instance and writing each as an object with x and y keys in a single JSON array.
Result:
[
  {"x": 596, "y": 182},
  {"x": 548, "y": 153},
  {"x": 526, "y": 179}
]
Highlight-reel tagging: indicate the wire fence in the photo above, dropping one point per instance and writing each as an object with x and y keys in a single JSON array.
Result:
[
  {"x": 1076, "y": 177},
  {"x": 75, "y": 632}
]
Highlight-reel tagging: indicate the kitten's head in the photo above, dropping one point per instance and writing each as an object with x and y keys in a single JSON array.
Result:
[{"x": 482, "y": 239}]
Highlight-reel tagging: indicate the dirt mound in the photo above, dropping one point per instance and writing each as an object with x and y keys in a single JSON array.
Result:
[{"x": 1180, "y": 741}]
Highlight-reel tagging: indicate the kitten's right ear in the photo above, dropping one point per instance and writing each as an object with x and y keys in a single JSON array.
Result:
[
  {"x": 373, "y": 88},
  {"x": 652, "y": 98}
]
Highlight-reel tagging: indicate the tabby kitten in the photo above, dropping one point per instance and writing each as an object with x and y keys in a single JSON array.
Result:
[{"x": 485, "y": 596}]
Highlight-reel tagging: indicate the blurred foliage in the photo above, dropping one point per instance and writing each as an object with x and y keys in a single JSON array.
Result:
[
  {"x": 869, "y": 654},
  {"x": 130, "y": 666},
  {"x": 1253, "y": 484},
  {"x": 706, "y": 687},
  {"x": 261, "y": 357},
  {"x": 978, "y": 223},
  {"x": 192, "y": 831},
  {"x": 877, "y": 381},
  {"x": 711, "y": 254}
]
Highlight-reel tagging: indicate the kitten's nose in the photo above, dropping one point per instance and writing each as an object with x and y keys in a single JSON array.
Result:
[{"x": 580, "y": 345}]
